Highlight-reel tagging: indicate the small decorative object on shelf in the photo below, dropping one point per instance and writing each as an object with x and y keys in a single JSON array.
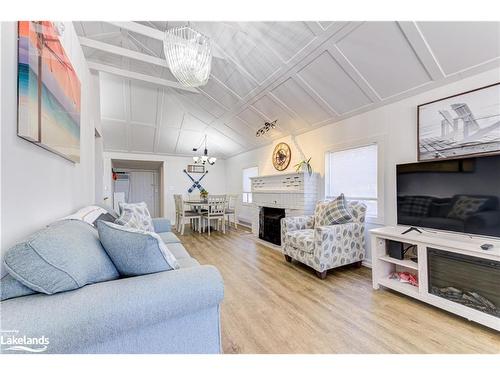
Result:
[
  {"x": 405, "y": 277},
  {"x": 203, "y": 195},
  {"x": 267, "y": 126},
  {"x": 305, "y": 166}
]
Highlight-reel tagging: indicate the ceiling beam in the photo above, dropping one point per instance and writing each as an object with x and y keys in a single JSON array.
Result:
[
  {"x": 153, "y": 33},
  {"x": 137, "y": 76},
  {"x": 137, "y": 28},
  {"x": 422, "y": 49},
  {"x": 120, "y": 51}
]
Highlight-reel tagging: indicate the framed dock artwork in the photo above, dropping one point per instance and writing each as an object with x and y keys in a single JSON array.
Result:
[
  {"x": 48, "y": 91},
  {"x": 460, "y": 125}
]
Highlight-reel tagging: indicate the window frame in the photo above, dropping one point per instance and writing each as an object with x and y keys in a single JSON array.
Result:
[
  {"x": 377, "y": 140},
  {"x": 247, "y": 193}
]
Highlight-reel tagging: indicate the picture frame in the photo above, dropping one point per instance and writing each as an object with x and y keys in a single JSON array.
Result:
[
  {"x": 193, "y": 168},
  {"x": 48, "y": 91},
  {"x": 460, "y": 125}
]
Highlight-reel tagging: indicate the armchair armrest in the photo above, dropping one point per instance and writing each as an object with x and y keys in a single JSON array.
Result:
[
  {"x": 297, "y": 222},
  {"x": 162, "y": 224},
  {"x": 289, "y": 224}
]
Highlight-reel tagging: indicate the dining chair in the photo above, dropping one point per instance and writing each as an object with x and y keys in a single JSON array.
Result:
[
  {"x": 216, "y": 211},
  {"x": 190, "y": 215},
  {"x": 231, "y": 210},
  {"x": 177, "y": 198}
]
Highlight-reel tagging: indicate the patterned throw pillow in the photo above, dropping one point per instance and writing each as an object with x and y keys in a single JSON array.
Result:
[
  {"x": 135, "y": 215},
  {"x": 333, "y": 212},
  {"x": 465, "y": 206}
]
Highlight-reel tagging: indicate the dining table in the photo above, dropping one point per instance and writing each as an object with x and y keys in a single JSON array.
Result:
[{"x": 197, "y": 204}]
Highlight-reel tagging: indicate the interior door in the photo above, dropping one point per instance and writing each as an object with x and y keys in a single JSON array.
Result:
[{"x": 144, "y": 188}]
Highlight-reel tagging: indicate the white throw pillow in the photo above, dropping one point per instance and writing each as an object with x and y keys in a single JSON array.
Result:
[{"x": 135, "y": 215}]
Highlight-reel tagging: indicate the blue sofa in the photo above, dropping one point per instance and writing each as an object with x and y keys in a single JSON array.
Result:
[{"x": 167, "y": 312}]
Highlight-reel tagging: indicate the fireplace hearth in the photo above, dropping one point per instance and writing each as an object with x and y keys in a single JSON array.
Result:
[{"x": 270, "y": 224}]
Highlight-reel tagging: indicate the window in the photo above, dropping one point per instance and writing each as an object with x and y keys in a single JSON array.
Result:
[
  {"x": 354, "y": 172},
  {"x": 247, "y": 183}
]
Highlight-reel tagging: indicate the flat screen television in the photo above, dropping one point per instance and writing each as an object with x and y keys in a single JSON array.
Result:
[{"x": 460, "y": 195}]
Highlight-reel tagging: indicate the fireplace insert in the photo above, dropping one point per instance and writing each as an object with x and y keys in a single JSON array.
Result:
[
  {"x": 470, "y": 281},
  {"x": 270, "y": 224}
]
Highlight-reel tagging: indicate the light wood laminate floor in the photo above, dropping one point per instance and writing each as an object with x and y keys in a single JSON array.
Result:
[{"x": 271, "y": 306}]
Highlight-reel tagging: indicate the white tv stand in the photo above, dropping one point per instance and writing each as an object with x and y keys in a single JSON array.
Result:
[{"x": 383, "y": 265}]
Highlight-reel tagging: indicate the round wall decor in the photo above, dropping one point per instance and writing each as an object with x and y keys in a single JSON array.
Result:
[{"x": 281, "y": 156}]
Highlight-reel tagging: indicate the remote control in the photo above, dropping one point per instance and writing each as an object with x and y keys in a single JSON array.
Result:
[{"x": 486, "y": 246}]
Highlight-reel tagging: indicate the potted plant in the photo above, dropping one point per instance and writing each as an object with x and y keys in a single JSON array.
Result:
[
  {"x": 304, "y": 166},
  {"x": 203, "y": 195}
]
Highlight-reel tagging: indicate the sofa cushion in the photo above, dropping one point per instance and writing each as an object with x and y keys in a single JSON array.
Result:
[
  {"x": 64, "y": 256},
  {"x": 135, "y": 215},
  {"x": 135, "y": 252},
  {"x": 169, "y": 237},
  {"x": 302, "y": 240},
  {"x": 178, "y": 250},
  {"x": 162, "y": 224},
  {"x": 11, "y": 288}
]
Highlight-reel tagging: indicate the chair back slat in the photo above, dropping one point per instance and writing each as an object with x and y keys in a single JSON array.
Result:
[{"x": 217, "y": 204}]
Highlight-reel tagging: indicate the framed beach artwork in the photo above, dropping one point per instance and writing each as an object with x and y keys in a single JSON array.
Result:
[
  {"x": 460, "y": 125},
  {"x": 48, "y": 91}
]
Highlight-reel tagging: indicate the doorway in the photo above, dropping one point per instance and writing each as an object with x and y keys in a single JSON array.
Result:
[{"x": 138, "y": 181}]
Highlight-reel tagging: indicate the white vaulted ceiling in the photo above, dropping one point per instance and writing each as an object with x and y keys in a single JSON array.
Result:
[{"x": 304, "y": 74}]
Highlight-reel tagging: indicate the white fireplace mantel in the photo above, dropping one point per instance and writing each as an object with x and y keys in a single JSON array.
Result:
[{"x": 296, "y": 193}]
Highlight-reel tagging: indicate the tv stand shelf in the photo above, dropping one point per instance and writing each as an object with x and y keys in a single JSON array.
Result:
[
  {"x": 383, "y": 265},
  {"x": 405, "y": 262}
]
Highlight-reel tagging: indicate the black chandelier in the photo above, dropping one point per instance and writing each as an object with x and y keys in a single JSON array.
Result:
[
  {"x": 203, "y": 159},
  {"x": 267, "y": 126}
]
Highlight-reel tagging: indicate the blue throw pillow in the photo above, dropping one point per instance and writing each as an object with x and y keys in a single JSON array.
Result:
[
  {"x": 11, "y": 288},
  {"x": 134, "y": 251},
  {"x": 64, "y": 256}
]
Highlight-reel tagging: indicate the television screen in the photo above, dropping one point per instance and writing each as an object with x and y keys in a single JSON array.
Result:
[{"x": 461, "y": 195}]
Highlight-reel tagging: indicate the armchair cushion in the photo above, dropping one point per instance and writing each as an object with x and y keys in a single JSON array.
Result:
[{"x": 302, "y": 240}]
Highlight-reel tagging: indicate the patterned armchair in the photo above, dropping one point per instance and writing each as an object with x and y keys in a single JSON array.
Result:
[{"x": 325, "y": 247}]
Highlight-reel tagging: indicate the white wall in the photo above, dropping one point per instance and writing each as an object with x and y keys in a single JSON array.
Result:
[
  {"x": 39, "y": 186},
  {"x": 174, "y": 179},
  {"x": 394, "y": 124}
]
